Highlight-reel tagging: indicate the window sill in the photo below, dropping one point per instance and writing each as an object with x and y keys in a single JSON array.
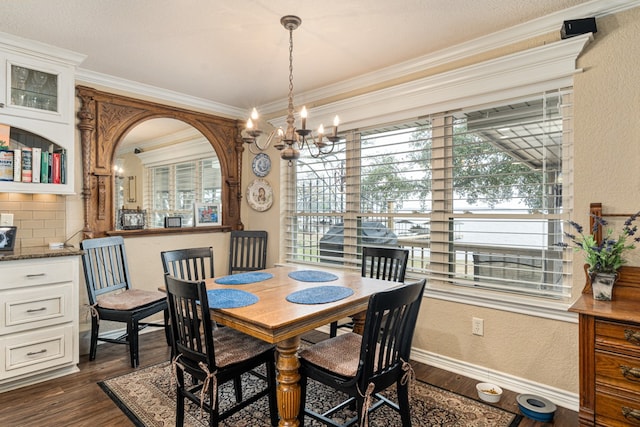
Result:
[
  {"x": 507, "y": 302},
  {"x": 166, "y": 231}
]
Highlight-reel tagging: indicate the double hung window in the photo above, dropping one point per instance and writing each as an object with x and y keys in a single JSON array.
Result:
[{"x": 476, "y": 195}]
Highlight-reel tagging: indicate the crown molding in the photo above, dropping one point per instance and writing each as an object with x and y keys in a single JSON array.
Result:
[
  {"x": 541, "y": 68},
  {"x": 87, "y": 77},
  {"x": 512, "y": 35},
  {"x": 40, "y": 50}
]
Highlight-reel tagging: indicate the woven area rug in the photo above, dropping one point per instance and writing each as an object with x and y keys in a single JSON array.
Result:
[{"x": 147, "y": 396}]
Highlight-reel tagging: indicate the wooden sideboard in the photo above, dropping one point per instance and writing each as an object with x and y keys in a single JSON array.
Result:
[{"x": 610, "y": 354}]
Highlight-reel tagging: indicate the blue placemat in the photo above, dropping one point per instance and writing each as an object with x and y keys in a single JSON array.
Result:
[
  {"x": 244, "y": 278},
  {"x": 312, "y": 276},
  {"x": 230, "y": 298},
  {"x": 319, "y": 295}
]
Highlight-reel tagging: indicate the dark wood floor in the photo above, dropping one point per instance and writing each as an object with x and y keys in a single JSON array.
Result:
[{"x": 76, "y": 400}]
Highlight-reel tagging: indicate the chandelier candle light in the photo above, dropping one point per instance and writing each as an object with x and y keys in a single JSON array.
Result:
[{"x": 290, "y": 141}]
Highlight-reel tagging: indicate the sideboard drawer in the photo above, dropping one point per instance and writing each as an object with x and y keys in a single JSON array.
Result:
[
  {"x": 617, "y": 371},
  {"x": 36, "y": 306},
  {"x": 21, "y": 274},
  {"x": 618, "y": 337},
  {"x": 41, "y": 349}
]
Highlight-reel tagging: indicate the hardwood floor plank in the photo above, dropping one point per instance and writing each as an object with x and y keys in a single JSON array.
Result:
[{"x": 77, "y": 400}]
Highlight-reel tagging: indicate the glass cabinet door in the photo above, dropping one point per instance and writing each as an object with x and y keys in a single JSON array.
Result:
[{"x": 33, "y": 88}]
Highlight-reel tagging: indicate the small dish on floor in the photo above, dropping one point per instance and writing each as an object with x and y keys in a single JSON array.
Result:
[{"x": 489, "y": 392}]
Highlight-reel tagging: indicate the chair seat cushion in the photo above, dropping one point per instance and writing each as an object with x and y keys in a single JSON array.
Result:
[
  {"x": 340, "y": 354},
  {"x": 232, "y": 346},
  {"x": 130, "y": 299}
]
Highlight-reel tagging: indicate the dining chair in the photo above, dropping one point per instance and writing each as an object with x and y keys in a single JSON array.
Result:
[
  {"x": 212, "y": 357},
  {"x": 382, "y": 263},
  {"x": 247, "y": 251},
  {"x": 189, "y": 263},
  {"x": 361, "y": 366},
  {"x": 112, "y": 298}
]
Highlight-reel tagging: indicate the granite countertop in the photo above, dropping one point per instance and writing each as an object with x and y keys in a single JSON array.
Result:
[{"x": 38, "y": 252}]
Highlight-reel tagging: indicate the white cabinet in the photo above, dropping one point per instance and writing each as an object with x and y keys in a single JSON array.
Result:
[
  {"x": 38, "y": 320},
  {"x": 37, "y": 101}
]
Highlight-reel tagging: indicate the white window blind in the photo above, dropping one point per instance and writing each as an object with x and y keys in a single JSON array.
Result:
[
  {"x": 173, "y": 190},
  {"x": 475, "y": 195}
]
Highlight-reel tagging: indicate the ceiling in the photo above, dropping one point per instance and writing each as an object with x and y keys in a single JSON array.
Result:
[{"x": 236, "y": 52}]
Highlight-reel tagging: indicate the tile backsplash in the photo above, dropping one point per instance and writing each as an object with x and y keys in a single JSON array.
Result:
[{"x": 40, "y": 218}]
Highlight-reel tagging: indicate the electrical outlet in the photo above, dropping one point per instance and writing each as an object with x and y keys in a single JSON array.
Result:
[
  {"x": 6, "y": 219},
  {"x": 477, "y": 326}
]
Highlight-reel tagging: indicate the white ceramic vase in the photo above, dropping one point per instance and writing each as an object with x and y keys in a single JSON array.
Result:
[{"x": 602, "y": 285}]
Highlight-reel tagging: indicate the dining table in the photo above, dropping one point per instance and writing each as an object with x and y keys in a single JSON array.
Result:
[{"x": 284, "y": 303}]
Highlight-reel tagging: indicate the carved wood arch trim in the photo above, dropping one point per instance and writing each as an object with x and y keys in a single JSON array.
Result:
[{"x": 106, "y": 118}]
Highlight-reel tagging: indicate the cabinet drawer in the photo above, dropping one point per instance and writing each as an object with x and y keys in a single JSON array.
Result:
[
  {"x": 617, "y": 371},
  {"x": 618, "y": 337},
  {"x": 36, "y": 351},
  {"x": 34, "y": 273},
  {"x": 35, "y": 307}
]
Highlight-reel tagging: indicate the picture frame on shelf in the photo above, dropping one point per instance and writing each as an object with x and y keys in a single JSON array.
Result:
[
  {"x": 208, "y": 214},
  {"x": 132, "y": 219},
  {"x": 8, "y": 238},
  {"x": 172, "y": 221}
]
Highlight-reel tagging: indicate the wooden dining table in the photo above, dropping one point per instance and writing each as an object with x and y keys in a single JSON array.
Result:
[{"x": 280, "y": 322}]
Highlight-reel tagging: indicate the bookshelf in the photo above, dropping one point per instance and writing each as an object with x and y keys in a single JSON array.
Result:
[{"x": 37, "y": 106}]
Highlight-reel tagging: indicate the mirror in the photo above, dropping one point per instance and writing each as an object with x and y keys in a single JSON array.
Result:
[
  {"x": 108, "y": 121},
  {"x": 163, "y": 167}
]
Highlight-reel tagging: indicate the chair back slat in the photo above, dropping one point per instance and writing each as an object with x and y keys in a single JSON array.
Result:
[
  {"x": 105, "y": 266},
  {"x": 389, "y": 326},
  {"x": 384, "y": 263},
  {"x": 190, "y": 264},
  {"x": 191, "y": 323},
  {"x": 248, "y": 251}
]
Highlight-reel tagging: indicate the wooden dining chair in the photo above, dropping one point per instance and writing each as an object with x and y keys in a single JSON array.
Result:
[
  {"x": 382, "y": 263},
  {"x": 247, "y": 251},
  {"x": 361, "y": 366},
  {"x": 212, "y": 357},
  {"x": 189, "y": 263},
  {"x": 111, "y": 296}
]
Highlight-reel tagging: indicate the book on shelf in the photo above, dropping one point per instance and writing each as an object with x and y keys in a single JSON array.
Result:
[
  {"x": 17, "y": 164},
  {"x": 56, "y": 168},
  {"x": 44, "y": 167},
  {"x": 27, "y": 165},
  {"x": 63, "y": 167},
  {"x": 6, "y": 164},
  {"x": 36, "y": 162}
]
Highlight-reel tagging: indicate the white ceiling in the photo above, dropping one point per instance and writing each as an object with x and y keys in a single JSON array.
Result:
[{"x": 235, "y": 52}]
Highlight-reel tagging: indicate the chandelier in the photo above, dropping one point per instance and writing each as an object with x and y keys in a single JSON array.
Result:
[{"x": 290, "y": 141}]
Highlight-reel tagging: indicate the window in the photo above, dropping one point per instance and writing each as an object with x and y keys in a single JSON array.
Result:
[
  {"x": 174, "y": 189},
  {"x": 475, "y": 195}
]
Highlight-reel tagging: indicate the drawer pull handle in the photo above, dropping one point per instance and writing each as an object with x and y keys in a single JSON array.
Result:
[
  {"x": 630, "y": 373},
  {"x": 31, "y": 276},
  {"x": 34, "y": 353},
  {"x": 36, "y": 310},
  {"x": 632, "y": 336}
]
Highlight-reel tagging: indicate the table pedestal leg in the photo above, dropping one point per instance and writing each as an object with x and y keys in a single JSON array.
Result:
[
  {"x": 288, "y": 381},
  {"x": 358, "y": 322}
]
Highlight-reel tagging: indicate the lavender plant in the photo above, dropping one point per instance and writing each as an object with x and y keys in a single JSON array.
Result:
[{"x": 608, "y": 256}]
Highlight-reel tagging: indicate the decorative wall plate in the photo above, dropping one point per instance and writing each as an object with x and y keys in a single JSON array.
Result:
[
  {"x": 260, "y": 195},
  {"x": 261, "y": 164}
]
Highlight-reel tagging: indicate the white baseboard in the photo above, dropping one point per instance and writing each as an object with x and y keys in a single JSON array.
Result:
[{"x": 519, "y": 385}]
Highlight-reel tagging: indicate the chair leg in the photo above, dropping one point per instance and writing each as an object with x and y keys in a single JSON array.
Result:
[
  {"x": 333, "y": 329},
  {"x": 95, "y": 326},
  {"x": 237, "y": 385},
  {"x": 403, "y": 404},
  {"x": 303, "y": 399},
  {"x": 132, "y": 336},
  {"x": 180, "y": 398},
  {"x": 273, "y": 399}
]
